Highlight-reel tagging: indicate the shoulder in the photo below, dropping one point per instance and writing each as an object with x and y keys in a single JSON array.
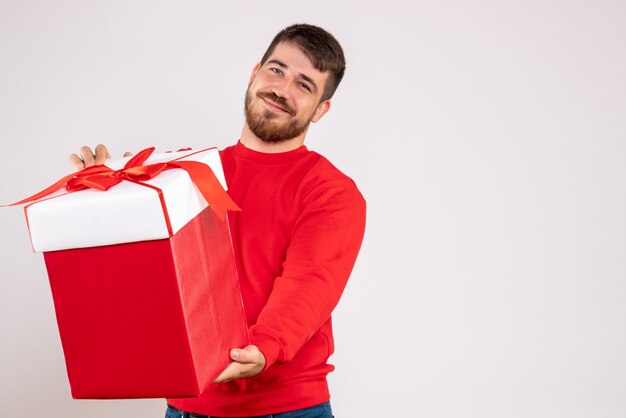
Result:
[
  {"x": 325, "y": 181},
  {"x": 324, "y": 172}
]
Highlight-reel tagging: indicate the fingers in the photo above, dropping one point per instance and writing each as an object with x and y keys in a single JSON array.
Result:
[
  {"x": 87, "y": 157},
  {"x": 76, "y": 162},
  {"x": 237, "y": 371},
  {"x": 101, "y": 154},
  {"x": 233, "y": 371},
  {"x": 128, "y": 154},
  {"x": 250, "y": 354},
  {"x": 247, "y": 362}
]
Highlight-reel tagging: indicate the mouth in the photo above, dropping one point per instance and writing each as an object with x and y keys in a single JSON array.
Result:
[
  {"x": 275, "y": 104},
  {"x": 275, "y": 107}
]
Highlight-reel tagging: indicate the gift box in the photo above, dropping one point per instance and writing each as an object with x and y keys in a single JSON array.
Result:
[{"x": 142, "y": 275}]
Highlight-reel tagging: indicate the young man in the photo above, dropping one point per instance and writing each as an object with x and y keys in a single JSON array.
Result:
[{"x": 295, "y": 240}]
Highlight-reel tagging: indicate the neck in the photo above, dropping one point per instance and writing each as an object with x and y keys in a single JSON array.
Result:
[{"x": 251, "y": 141}]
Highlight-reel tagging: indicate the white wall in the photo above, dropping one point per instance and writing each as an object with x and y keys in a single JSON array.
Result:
[{"x": 487, "y": 136}]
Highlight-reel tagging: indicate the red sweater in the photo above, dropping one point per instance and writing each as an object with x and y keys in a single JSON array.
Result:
[{"x": 295, "y": 241}]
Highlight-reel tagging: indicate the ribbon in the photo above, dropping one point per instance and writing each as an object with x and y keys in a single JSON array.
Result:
[{"x": 101, "y": 177}]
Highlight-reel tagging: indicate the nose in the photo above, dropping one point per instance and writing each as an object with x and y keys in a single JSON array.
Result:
[
  {"x": 281, "y": 88},
  {"x": 280, "y": 91}
]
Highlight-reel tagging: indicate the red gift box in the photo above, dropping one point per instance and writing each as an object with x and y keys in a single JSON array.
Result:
[{"x": 151, "y": 318}]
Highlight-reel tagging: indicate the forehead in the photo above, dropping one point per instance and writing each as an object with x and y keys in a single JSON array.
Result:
[{"x": 296, "y": 61}]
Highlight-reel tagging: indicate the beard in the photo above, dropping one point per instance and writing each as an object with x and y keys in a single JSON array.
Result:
[{"x": 264, "y": 124}]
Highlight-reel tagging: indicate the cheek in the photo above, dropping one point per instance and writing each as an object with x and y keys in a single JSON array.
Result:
[
  {"x": 261, "y": 81},
  {"x": 311, "y": 106},
  {"x": 255, "y": 85}
]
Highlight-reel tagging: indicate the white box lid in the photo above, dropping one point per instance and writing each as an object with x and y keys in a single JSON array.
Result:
[{"x": 127, "y": 212}]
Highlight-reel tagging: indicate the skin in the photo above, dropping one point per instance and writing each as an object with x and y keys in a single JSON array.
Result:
[{"x": 290, "y": 75}]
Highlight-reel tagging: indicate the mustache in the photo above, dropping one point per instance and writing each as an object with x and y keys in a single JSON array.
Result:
[{"x": 280, "y": 101}]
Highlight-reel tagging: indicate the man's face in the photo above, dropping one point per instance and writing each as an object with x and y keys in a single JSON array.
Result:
[{"x": 284, "y": 94}]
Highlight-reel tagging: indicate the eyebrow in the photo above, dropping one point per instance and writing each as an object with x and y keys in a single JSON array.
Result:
[{"x": 303, "y": 76}]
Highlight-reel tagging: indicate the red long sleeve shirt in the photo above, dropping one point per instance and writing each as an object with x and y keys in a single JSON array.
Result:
[{"x": 295, "y": 241}]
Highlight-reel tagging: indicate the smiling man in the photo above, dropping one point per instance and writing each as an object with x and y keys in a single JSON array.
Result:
[
  {"x": 295, "y": 240},
  {"x": 279, "y": 110}
]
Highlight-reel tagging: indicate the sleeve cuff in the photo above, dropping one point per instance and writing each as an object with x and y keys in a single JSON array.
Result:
[{"x": 269, "y": 346}]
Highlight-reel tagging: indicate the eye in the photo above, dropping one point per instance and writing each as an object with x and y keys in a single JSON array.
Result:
[
  {"x": 305, "y": 86},
  {"x": 275, "y": 70}
]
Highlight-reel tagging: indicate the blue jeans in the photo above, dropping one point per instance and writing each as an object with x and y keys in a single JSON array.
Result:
[{"x": 318, "y": 411}]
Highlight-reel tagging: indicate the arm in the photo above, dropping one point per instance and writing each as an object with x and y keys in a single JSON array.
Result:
[{"x": 322, "y": 251}]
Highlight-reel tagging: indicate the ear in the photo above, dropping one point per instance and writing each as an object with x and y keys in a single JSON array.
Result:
[
  {"x": 255, "y": 70},
  {"x": 321, "y": 110}
]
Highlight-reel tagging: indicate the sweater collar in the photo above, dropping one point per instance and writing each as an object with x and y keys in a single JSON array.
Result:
[{"x": 270, "y": 158}]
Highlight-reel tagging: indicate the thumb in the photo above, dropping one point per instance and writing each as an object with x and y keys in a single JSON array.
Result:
[{"x": 250, "y": 354}]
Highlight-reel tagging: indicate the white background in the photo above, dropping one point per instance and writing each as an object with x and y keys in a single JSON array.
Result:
[{"x": 488, "y": 137}]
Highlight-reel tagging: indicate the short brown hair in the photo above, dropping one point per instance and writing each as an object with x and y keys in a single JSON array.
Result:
[{"x": 320, "y": 46}]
